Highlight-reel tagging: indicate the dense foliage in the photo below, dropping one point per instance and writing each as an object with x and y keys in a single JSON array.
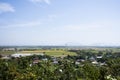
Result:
[{"x": 43, "y": 67}]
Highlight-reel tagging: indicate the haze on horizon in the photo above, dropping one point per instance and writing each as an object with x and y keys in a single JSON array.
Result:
[{"x": 59, "y": 22}]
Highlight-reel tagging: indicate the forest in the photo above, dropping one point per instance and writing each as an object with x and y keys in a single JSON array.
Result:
[{"x": 87, "y": 64}]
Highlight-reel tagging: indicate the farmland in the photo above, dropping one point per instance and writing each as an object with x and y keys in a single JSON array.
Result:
[{"x": 56, "y": 53}]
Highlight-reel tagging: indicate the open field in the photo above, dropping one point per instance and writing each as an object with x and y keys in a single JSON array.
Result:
[
  {"x": 56, "y": 53},
  {"x": 50, "y": 52},
  {"x": 7, "y": 52},
  {"x": 60, "y": 52}
]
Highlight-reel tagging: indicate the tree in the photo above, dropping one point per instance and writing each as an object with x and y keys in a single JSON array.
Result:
[
  {"x": 91, "y": 72},
  {"x": 114, "y": 67}
]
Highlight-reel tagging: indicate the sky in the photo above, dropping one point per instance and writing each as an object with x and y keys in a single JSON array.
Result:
[{"x": 60, "y": 22}]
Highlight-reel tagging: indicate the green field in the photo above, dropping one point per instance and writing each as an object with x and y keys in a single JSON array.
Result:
[
  {"x": 7, "y": 52},
  {"x": 50, "y": 52},
  {"x": 56, "y": 53},
  {"x": 60, "y": 52}
]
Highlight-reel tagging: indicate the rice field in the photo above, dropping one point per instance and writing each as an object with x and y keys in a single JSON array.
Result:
[{"x": 56, "y": 53}]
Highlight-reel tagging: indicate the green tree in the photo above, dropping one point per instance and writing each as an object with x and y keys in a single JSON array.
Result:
[{"x": 91, "y": 72}]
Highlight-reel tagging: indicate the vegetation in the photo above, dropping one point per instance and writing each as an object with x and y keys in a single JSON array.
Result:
[
  {"x": 50, "y": 52},
  {"x": 86, "y": 65},
  {"x": 56, "y": 53}
]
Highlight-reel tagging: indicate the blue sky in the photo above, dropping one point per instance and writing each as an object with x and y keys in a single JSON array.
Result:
[{"x": 59, "y": 22}]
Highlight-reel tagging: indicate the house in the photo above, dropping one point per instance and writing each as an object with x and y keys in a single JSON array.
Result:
[
  {"x": 92, "y": 58},
  {"x": 20, "y": 55},
  {"x": 94, "y": 62},
  {"x": 55, "y": 62},
  {"x": 25, "y": 54},
  {"x": 99, "y": 57},
  {"x": 44, "y": 59},
  {"x": 8, "y": 49},
  {"x": 36, "y": 61},
  {"x": 77, "y": 62}
]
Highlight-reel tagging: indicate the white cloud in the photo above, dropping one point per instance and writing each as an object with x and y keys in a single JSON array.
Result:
[
  {"x": 100, "y": 26},
  {"x": 52, "y": 17},
  {"x": 26, "y": 24},
  {"x": 47, "y": 1},
  {"x": 5, "y": 7},
  {"x": 41, "y": 1}
]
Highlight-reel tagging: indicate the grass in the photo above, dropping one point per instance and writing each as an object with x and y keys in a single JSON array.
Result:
[
  {"x": 59, "y": 52},
  {"x": 56, "y": 53},
  {"x": 7, "y": 52}
]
